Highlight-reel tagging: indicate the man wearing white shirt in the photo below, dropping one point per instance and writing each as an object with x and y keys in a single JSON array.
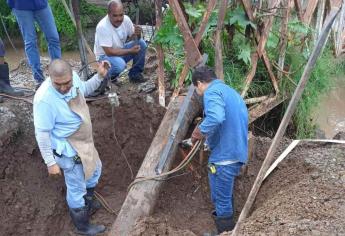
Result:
[{"x": 118, "y": 41}]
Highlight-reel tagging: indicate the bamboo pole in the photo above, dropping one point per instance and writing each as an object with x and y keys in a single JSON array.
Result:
[
  {"x": 218, "y": 42},
  {"x": 197, "y": 40},
  {"x": 160, "y": 55},
  {"x": 286, "y": 119}
]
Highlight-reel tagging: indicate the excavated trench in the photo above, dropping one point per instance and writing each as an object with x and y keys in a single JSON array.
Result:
[{"x": 304, "y": 195}]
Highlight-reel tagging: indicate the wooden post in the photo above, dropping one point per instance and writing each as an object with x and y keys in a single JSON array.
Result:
[
  {"x": 160, "y": 55},
  {"x": 340, "y": 31},
  {"x": 75, "y": 24},
  {"x": 286, "y": 119},
  {"x": 191, "y": 50},
  {"x": 273, "y": 4},
  {"x": 283, "y": 36},
  {"x": 309, "y": 10},
  {"x": 141, "y": 198},
  {"x": 197, "y": 40},
  {"x": 299, "y": 9},
  {"x": 218, "y": 42},
  {"x": 319, "y": 18},
  {"x": 83, "y": 57}
]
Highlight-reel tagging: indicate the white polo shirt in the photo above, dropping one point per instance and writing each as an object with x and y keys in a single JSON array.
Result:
[{"x": 109, "y": 36}]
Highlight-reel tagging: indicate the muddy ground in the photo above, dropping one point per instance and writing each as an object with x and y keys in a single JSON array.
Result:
[{"x": 303, "y": 196}]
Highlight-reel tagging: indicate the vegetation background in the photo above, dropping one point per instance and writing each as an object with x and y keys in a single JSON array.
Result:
[{"x": 238, "y": 46}]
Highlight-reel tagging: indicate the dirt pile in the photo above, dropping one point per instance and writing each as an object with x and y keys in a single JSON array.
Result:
[{"x": 303, "y": 196}]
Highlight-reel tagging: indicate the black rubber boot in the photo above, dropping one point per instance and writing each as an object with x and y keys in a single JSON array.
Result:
[
  {"x": 224, "y": 224},
  {"x": 80, "y": 220},
  {"x": 91, "y": 201},
  {"x": 1, "y": 99},
  {"x": 5, "y": 86}
]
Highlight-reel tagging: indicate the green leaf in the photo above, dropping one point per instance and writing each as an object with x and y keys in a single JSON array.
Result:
[
  {"x": 244, "y": 55},
  {"x": 239, "y": 18}
]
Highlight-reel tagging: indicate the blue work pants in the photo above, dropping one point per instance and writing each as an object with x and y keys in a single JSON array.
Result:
[
  {"x": 75, "y": 180},
  {"x": 45, "y": 20},
  {"x": 221, "y": 185},
  {"x": 119, "y": 63}
]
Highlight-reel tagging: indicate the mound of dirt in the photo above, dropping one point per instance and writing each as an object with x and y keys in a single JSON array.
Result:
[{"x": 304, "y": 195}]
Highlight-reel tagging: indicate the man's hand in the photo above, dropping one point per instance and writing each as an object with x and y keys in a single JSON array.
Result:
[
  {"x": 137, "y": 31},
  {"x": 135, "y": 49},
  {"x": 54, "y": 170},
  {"x": 103, "y": 68},
  {"x": 196, "y": 135}
]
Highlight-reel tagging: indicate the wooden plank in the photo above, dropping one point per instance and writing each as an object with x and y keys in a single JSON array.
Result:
[
  {"x": 160, "y": 56},
  {"x": 286, "y": 119},
  {"x": 141, "y": 197},
  {"x": 309, "y": 11},
  {"x": 283, "y": 36},
  {"x": 218, "y": 42},
  {"x": 197, "y": 40},
  {"x": 191, "y": 50},
  {"x": 264, "y": 107}
]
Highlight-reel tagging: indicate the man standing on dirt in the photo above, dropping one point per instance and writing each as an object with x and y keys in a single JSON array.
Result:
[
  {"x": 118, "y": 41},
  {"x": 225, "y": 127},
  {"x": 64, "y": 135},
  {"x": 27, "y": 13},
  {"x": 5, "y": 86}
]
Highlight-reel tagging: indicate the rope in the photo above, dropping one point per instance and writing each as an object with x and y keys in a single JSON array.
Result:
[
  {"x": 118, "y": 144},
  {"x": 183, "y": 164},
  {"x": 104, "y": 203}
]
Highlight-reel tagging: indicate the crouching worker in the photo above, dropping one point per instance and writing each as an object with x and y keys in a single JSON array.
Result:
[
  {"x": 225, "y": 128},
  {"x": 64, "y": 135}
]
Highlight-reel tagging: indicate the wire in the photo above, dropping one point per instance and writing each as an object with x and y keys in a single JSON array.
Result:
[
  {"x": 118, "y": 144},
  {"x": 183, "y": 164}
]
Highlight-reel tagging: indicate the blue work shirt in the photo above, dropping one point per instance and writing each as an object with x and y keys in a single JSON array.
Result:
[
  {"x": 225, "y": 124},
  {"x": 27, "y": 5},
  {"x": 52, "y": 114}
]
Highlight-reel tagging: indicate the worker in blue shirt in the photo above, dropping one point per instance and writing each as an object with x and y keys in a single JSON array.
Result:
[
  {"x": 27, "y": 13},
  {"x": 225, "y": 128},
  {"x": 63, "y": 132}
]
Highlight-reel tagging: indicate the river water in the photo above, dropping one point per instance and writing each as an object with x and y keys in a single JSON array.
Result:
[{"x": 330, "y": 114}]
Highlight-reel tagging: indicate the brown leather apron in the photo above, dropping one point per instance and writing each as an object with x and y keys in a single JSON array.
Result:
[{"x": 82, "y": 139}]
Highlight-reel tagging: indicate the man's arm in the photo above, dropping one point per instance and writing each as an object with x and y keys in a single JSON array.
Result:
[
  {"x": 44, "y": 120},
  {"x": 92, "y": 84},
  {"x": 215, "y": 113},
  {"x": 109, "y": 51}
]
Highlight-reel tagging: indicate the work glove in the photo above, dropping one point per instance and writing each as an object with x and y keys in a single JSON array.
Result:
[{"x": 196, "y": 135}]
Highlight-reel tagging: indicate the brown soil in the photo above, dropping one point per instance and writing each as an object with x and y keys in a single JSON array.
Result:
[
  {"x": 303, "y": 196},
  {"x": 33, "y": 203}
]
